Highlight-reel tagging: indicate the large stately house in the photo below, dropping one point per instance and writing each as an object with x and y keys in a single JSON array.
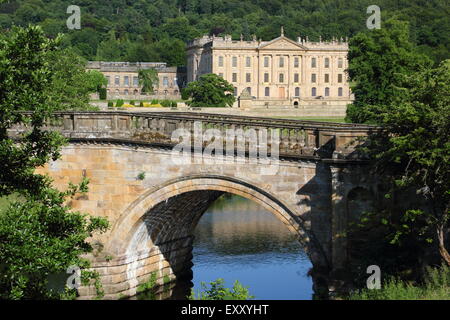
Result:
[
  {"x": 276, "y": 72},
  {"x": 123, "y": 79}
]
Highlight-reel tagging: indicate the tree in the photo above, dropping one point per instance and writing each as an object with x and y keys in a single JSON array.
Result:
[
  {"x": 210, "y": 90},
  {"x": 412, "y": 153},
  {"x": 71, "y": 84},
  {"x": 39, "y": 234},
  {"x": 378, "y": 61},
  {"x": 148, "y": 78}
]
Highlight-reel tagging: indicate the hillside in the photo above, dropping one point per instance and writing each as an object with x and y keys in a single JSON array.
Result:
[{"x": 150, "y": 30}]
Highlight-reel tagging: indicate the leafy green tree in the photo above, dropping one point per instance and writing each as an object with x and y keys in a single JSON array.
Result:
[
  {"x": 378, "y": 61},
  {"x": 209, "y": 91},
  {"x": 412, "y": 154},
  {"x": 39, "y": 234},
  {"x": 71, "y": 84},
  {"x": 148, "y": 78},
  {"x": 217, "y": 291}
]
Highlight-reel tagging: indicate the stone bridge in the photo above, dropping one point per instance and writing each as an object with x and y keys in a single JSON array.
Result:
[{"x": 154, "y": 202}]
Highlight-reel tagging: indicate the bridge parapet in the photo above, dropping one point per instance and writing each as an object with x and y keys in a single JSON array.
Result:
[{"x": 298, "y": 139}]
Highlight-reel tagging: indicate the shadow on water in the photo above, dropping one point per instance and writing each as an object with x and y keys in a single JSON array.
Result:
[{"x": 236, "y": 239}]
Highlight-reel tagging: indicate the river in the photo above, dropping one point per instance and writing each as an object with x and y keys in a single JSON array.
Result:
[{"x": 236, "y": 239}]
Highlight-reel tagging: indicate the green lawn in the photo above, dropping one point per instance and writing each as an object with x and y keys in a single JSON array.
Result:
[{"x": 338, "y": 120}]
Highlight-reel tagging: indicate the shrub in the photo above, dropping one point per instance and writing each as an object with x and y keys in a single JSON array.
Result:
[
  {"x": 132, "y": 102},
  {"x": 219, "y": 292},
  {"x": 155, "y": 101},
  {"x": 166, "y": 103},
  {"x": 174, "y": 104},
  {"x": 141, "y": 104},
  {"x": 119, "y": 103},
  {"x": 102, "y": 93},
  {"x": 110, "y": 104}
]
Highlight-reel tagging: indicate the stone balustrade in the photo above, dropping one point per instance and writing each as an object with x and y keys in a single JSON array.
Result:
[{"x": 297, "y": 139}]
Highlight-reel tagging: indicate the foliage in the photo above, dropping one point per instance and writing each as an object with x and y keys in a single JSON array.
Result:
[
  {"x": 102, "y": 93},
  {"x": 378, "y": 62},
  {"x": 141, "y": 176},
  {"x": 436, "y": 287},
  {"x": 119, "y": 103},
  {"x": 39, "y": 235},
  {"x": 39, "y": 238},
  {"x": 412, "y": 153},
  {"x": 154, "y": 30},
  {"x": 210, "y": 90},
  {"x": 217, "y": 291},
  {"x": 148, "y": 78},
  {"x": 166, "y": 103}
]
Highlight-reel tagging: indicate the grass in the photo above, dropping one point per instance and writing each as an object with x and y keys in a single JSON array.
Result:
[
  {"x": 435, "y": 287},
  {"x": 337, "y": 120}
]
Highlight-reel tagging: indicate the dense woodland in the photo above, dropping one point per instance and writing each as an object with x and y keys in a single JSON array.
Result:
[{"x": 157, "y": 30}]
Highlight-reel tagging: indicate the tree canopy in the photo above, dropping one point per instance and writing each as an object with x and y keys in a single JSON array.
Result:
[
  {"x": 210, "y": 90},
  {"x": 155, "y": 30}
]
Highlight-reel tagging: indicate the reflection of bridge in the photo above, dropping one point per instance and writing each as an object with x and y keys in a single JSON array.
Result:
[{"x": 320, "y": 180}]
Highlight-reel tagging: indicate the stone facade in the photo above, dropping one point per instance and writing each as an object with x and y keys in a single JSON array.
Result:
[
  {"x": 123, "y": 81},
  {"x": 276, "y": 72}
]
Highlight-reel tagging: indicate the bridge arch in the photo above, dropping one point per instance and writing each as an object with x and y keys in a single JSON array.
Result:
[{"x": 155, "y": 232}]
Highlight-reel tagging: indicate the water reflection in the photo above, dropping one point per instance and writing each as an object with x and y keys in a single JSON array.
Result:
[{"x": 236, "y": 239}]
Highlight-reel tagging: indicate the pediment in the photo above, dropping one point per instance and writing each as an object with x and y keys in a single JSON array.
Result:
[{"x": 282, "y": 43}]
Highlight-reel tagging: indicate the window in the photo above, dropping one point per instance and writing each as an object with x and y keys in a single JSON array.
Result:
[
  {"x": 248, "y": 77},
  {"x": 266, "y": 77},
  {"x": 327, "y": 78},
  {"x": 340, "y": 63},
  {"x": 327, "y": 62},
  {"x": 126, "y": 92},
  {"x": 296, "y": 77},
  {"x": 235, "y": 91},
  {"x": 267, "y": 92},
  {"x": 327, "y": 92},
  {"x": 248, "y": 62},
  {"x": 281, "y": 78},
  {"x": 313, "y": 92},
  {"x": 117, "y": 80},
  {"x": 297, "y": 92},
  {"x": 234, "y": 62},
  {"x": 281, "y": 65},
  {"x": 135, "y": 81},
  {"x": 340, "y": 78},
  {"x": 234, "y": 77},
  {"x": 220, "y": 61},
  {"x": 340, "y": 91},
  {"x": 313, "y": 78},
  {"x": 266, "y": 62},
  {"x": 313, "y": 62},
  {"x": 249, "y": 90},
  {"x": 126, "y": 81},
  {"x": 165, "y": 81},
  {"x": 296, "y": 62}
]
